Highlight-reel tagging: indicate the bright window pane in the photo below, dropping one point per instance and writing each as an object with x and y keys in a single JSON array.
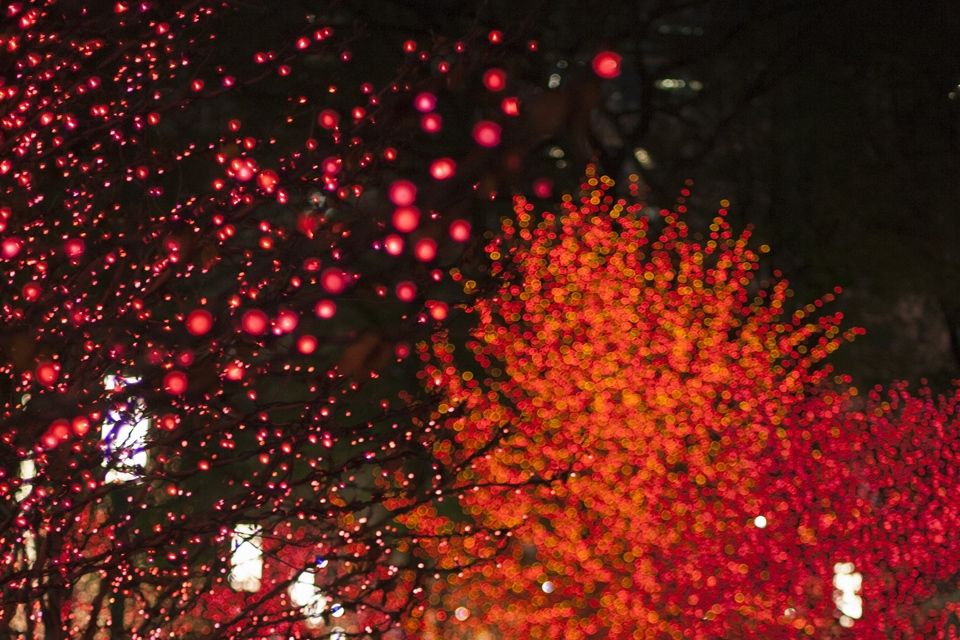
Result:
[{"x": 246, "y": 558}]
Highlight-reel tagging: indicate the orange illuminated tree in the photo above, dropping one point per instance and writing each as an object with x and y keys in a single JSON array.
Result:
[{"x": 704, "y": 474}]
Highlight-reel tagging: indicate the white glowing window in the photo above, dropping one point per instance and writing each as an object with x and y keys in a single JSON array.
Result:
[
  {"x": 30, "y": 547},
  {"x": 123, "y": 434},
  {"x": 305, "y": 594},
  {"x": 847, "y": 582},
  {"x": 246, "y": 558},
  {"x": 28, "y": 468},
  {"x": 28, "y": 471}
]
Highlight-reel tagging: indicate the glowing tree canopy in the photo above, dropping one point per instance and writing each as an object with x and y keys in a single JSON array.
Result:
[{"x": 718, "y": 480}]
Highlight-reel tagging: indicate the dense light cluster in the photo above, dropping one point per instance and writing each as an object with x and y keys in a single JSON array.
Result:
[
  {"x": 650, "y": 372},
  {"x": 716, "y": 479},
  {"x": 891, "y": 481},
  {"x": 217, "y": 241},
  {"x": 218, "y": 244}
]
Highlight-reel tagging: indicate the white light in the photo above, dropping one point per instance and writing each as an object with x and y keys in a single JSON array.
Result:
[
  {"x": 124, "y": 434},
  {"x": 760, "y": 522},
  {"x": 554, "y": 81},
  {"x": 547, "y": 587},
  {"x": 643, "y": 157},
  {"x": 28, "y": 471},
  {"x": 246, "y": 558},
  {"x": 669, "y": 84},
  {"x": 848, "y": 583},
  {"x": 461, "y": 613},
  {"x": 305, "y": 595},
  {"x": 337, "y": 610},
  {"x": 30, "y": 547},
  {"x": 338, "y": 633},
  {"x": 317, "y": 199}
]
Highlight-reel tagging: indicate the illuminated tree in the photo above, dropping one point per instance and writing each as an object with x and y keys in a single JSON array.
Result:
[
  {"x": 889, "y": 473},
  {"x": 718, "y": 480},
  {"x": 221, "y": 224}
]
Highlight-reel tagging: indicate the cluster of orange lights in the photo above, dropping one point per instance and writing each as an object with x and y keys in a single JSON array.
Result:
[{"x": 676, "y": 457}]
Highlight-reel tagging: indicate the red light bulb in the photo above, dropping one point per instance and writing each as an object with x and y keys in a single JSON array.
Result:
[
  {"x": 442, "y": 168},
  {"x": 495, "y": 79},
  {"x": 74, "y": 248},
  {"x": 606, "y": 64},
  {"x": 425, "y": 250},
  {"x": 286, "y": 321},
  {"x": 267, "y": 180},
  {"x": 255, "y": 322},
  {"x": 325, "y": 309},
  {"x": 431, "y": 123},
  {"x": 333, "y": 280},
  {"x": 10, "y": 247},
  {"x": 460, "y": 230},
  {"x": 175, "y": 383},
  {"x": 425, "y": 102},
  {"x": 60, "y": 429},
  {"x": 393, "y": 244},
  {"x": 406, "y": 219},
  {"x": 306, "y": 344},
  {"x": 199, "y": 322},
  {"x": 47, "y": 373},
  {"x": 328, "y": 119},
  {"x": 406, "y": 291},
  {"x": 402, "y": 193},
  {"x": 80, "y": 426},
  {"x": 437, "y": 310},
  {"x": 486, "y": 133}
]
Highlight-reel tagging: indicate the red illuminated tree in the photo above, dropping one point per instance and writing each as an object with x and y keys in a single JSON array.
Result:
[
  {"x": 221, "y": 226},
  {"x": 714, "y": 477}
]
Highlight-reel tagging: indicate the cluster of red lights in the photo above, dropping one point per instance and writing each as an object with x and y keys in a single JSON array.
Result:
[{"x": 228, "y": 262}]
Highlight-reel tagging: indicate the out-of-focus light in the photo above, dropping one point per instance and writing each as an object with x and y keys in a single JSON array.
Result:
[
  {"x": 606, "y": 64},
  {"x": 495, "y": 79},
  {"x": 643, "y": 157},
  {"x": 246, "y": 558},
  {"x": 305, "y": 595},
  {"x": 28, "y": 471},
  {"x": 847, "y": 582}
]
